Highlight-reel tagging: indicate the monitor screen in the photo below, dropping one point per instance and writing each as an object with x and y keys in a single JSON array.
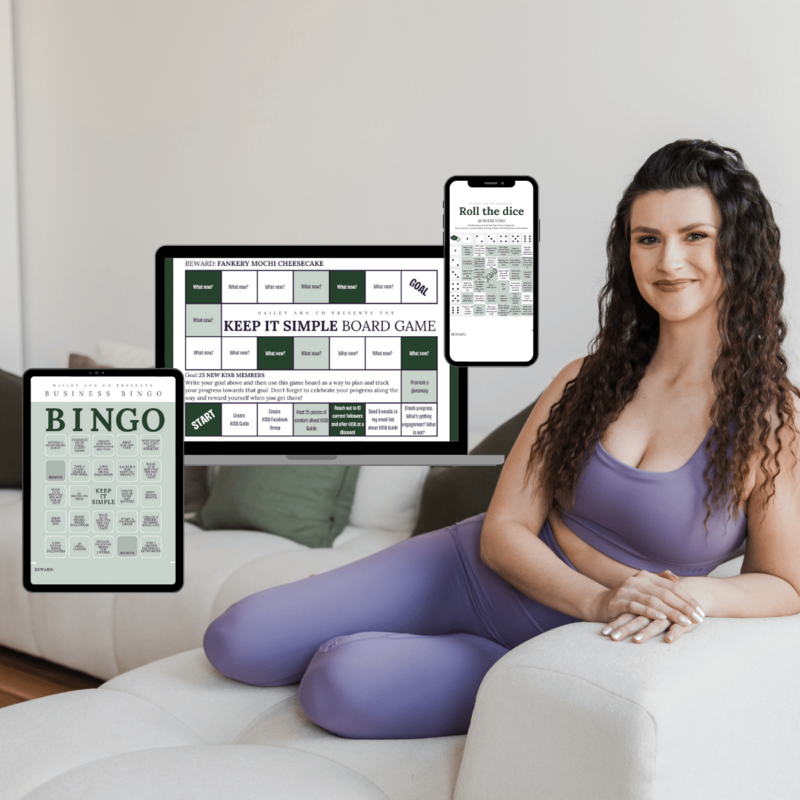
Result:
[{"x": 310, "y": 349}]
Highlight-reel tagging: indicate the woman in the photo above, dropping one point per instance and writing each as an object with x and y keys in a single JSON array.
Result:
[{"x": 606, "y": 510}]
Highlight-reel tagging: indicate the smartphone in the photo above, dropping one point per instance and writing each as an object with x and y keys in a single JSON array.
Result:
[{"x": 491, "y": 254}]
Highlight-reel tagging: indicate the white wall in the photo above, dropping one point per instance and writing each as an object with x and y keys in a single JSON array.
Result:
[
  {"x": 148, "y": 122},
  {"x": 10, "y": 294}
]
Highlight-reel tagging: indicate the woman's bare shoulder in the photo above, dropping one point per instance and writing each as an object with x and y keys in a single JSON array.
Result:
[
  {"x": 779, "y": 432},
  {"x": 516, "y": 497},
  {"x": 568, "y": 373},
  {"x": 548, "y": 398},
  {"x": 572, "y": 369},
  {"x": 779, "y": 427}
]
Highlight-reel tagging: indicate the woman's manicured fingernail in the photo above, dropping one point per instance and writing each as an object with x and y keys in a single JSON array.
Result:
[
  {"x": 616, "y": 635},
  {"x": 606, "y": 630},
  {"x": 684, "y": 620},
  {"x": 668, "y": 638},
  {"x": 660, "y": 615},
  {"x": 638, "y": 637},
  {"x": 701, "y": 612},
  {"x": 696, "y": 617}
]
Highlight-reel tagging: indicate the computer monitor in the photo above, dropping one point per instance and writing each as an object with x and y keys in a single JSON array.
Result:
[{"x": 311, "y": 353}]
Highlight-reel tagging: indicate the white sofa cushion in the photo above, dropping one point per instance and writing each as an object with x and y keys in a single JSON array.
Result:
[
  {"x": 46, "y": 738},
  {"x": 177, "y": 728},
  {"x": 210, "y": 772},
  {"x": 129, "y": 356},
  {"x": 387, "y": 498},
  {"x": 227, "y": 711}
]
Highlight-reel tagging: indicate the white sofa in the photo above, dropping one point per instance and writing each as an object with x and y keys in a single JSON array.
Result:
[{"x": 568, "y": 714}]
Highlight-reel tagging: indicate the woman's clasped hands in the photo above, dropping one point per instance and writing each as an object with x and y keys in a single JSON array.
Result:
[{"x": 645, "y": 605}]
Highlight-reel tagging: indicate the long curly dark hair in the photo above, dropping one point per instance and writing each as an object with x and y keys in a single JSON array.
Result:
[{"x": 749, "y": 375}]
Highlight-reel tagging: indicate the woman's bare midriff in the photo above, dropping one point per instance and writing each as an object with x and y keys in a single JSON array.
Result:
[{"x": 588, "y": 560}]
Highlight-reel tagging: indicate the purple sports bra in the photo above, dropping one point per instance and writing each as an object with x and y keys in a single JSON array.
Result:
[{"x": 652, "y": 520}]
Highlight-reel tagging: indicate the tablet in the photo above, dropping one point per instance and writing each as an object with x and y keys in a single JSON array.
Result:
[{"x": 103, "y": 480}]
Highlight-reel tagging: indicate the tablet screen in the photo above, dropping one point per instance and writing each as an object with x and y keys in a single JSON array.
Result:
[{"x": 103, "y": 480}]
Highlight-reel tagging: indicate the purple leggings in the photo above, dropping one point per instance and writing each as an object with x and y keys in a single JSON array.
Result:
[{"x": 393, "y": 646}]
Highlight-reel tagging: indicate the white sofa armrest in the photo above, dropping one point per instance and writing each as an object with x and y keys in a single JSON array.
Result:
[{"x": 573, "y": 714}]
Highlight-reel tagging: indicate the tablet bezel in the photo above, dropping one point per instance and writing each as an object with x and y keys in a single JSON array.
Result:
[
  {"x": 177, "y": 375},
  {"x": 261, "y": 446}
]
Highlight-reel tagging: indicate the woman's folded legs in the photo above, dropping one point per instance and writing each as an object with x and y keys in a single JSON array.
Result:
[
  {"x": 394, "y": 645},
  {"x": 415, "y": 586},
  {"x": 379, "y": 685}
]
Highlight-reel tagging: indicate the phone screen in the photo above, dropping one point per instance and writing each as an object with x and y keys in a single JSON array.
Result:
[{"x": 491, "y": 233}]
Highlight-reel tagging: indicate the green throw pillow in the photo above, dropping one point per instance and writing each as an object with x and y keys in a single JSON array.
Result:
[
  {"x": 11, "y": 438},
  {"x": 309, "y": 505}
]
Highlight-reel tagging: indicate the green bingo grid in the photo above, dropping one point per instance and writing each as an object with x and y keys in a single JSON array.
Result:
[
  {"x": 491, "y": 274},
  {"x": 102, "y": 492}
]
